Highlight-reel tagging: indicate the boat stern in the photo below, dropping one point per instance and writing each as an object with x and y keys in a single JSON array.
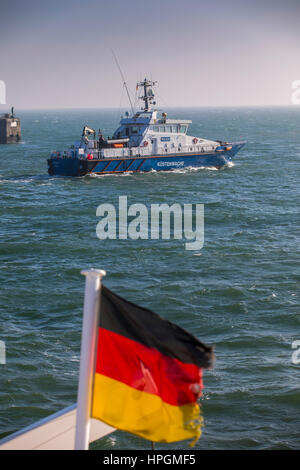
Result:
[{"x": 61, "y": 166}]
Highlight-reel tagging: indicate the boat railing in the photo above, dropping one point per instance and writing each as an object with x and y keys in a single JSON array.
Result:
[
  {"x": 127, "y": 152},
  {"x": 146, "y": 151},
  {"x": 114, "y": 153},
  {"x": 186, "y": 149}
]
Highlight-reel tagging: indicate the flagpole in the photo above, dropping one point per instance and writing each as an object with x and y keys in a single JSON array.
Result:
[{"x": 87, "y": 356}]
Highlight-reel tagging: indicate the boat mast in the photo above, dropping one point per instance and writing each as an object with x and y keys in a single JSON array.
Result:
[
  {"x": 148, "y": 93},
  {"x": 124, "y": 81}
]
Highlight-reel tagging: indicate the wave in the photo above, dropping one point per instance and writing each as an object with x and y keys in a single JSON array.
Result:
[
  {"x": 26, "y": 179},
  {"x": 175, "y": 170}
]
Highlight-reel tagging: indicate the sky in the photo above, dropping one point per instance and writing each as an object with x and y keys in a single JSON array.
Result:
[{"x": 57, "y": 53}]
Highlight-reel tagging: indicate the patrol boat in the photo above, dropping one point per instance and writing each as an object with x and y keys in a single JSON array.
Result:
[{"x": 143, "y": 142}]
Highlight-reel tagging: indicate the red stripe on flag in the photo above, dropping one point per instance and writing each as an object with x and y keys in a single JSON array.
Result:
[{"x": 146, "y": 369}]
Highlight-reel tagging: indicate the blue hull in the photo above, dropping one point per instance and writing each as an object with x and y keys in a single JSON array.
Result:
[{"x": 81, "y": 167}]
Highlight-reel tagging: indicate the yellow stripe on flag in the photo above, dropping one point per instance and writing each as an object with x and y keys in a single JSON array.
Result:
[{"x": 142, "y": 413}]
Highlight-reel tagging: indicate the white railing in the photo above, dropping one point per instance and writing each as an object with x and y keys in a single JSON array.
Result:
[
  {"x": 114, "y": 153},
  {"x": 186, "y": 149},
  {"x": 147, "y": 151}
]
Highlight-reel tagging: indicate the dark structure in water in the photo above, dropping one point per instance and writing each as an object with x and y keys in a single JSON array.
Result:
[{"x": 10, "y": 128}]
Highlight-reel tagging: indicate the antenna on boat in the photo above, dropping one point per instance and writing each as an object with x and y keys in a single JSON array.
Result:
[
  {"x": 124, "y": 81},
  {"x": 148, "y": 96}
]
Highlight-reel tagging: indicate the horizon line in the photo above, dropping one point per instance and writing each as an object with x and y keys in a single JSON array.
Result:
[{"x": 157, "y": 109}]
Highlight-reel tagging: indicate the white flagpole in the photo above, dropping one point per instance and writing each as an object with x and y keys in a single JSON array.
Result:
[{"x": 87, "y": 356}]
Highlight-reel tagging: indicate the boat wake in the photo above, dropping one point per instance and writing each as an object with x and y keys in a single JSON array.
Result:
[
  {"x": 26, "y": 179},
  {"x": 188, "y": 169},
  {"x": 160, "y": 172}
]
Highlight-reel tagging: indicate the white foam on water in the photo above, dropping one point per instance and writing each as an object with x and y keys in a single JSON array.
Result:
[
  {"x": 94, "y": 175},
  {"x": 185, "y": 170},
  {"x": 43, "y": 180}
]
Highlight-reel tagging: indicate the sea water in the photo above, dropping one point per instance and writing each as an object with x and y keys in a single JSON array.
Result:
[{"x": 240, "y": 292}]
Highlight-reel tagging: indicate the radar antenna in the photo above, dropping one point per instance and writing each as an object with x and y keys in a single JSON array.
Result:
[{"x": 148, "y": 96}]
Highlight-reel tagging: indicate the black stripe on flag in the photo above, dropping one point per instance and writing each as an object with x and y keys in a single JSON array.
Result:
[{"x": 144, "y": 326}]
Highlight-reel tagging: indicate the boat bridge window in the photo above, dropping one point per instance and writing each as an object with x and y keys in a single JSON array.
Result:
[
  {"x": 182, "y": 129},
  {"x": 168, "y": 129},
  {"x": 143, "y": 115},
  {"x": 134, "y": 130}
]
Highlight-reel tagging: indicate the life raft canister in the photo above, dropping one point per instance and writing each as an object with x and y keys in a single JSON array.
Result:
[
  {"x": 90, "y": 157},
  {"x": 195, "y": 140},
  {"x": 145, "y": 143}
]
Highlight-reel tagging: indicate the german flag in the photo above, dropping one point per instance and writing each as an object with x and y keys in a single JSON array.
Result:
[{"x": 148, "y": 373}]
